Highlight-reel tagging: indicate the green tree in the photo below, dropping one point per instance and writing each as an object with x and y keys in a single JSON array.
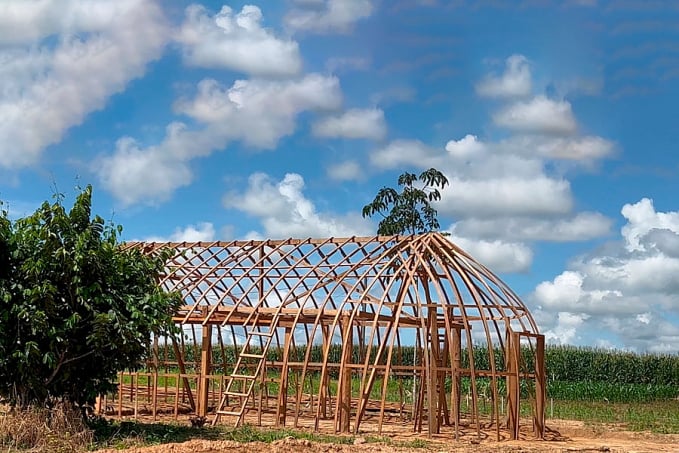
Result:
[
  {"x": 75, "y": 306},
  {"x": 410, "y": 210}
]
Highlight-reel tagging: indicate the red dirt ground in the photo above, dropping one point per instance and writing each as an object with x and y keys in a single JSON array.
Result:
[{"x": 563, "y": 436}]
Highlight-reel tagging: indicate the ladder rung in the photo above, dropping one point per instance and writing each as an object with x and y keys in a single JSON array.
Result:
[
  {"x": 232, "y": 393},
  {"x": 243, "y": 376},
  {"x": 228, "y": 413},
  {"x": 262, "y": 334},
  {"x": 250, "y": 355}
]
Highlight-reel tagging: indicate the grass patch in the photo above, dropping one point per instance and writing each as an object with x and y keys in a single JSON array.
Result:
[
  {"x": 248, "y": 433},
  {"x": 130, "y": 434},
  {"x": 124, "y": 434},
  {"x": 610, "y": 392},
  {"x": 415, "y": 443},
  {"x": 658, "y": 416}
]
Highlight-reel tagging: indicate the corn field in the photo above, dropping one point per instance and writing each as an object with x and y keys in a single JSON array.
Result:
[{"x": 564, "y": 363}]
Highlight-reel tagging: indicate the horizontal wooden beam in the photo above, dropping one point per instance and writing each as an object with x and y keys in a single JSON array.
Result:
[{"x": 287, "y": 316}]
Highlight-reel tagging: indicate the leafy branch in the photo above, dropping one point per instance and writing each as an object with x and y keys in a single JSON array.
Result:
[{"x": 410, "y": 210}]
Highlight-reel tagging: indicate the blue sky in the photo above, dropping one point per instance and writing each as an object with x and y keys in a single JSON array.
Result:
[{"x": 555, "y": 121}]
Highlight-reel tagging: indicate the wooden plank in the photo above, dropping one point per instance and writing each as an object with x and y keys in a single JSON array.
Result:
[
  {"x": 513, "y": 389},
  {"x": 205, "y": 368},
  {"x": 154, "y": 403},
  {"x": 176, "y": 397},
  {"x": 282, "y": 406},
  {"x": 432, "y": 371},
  {"x": 540, "y": 388},
  {"x": 135, "y": 392},
  {"x": 233, "y": 315},
  {"x": 344, "y": 394},
  {"x": 120, "y": 394},
  {"x": 324, "y": 387}
]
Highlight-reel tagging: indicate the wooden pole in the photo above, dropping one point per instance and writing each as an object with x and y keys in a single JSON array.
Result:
[
  {"x": 344, "y": 394},
  {"x": 455, "y": 391},
  {"x": 443, "y": 361},
  {"x": 324, "y": 391},
  {"x": 540, "y": 388},
  {"x": 513, "y": 389},
  {"x": 176, "y": 397},
  {"x": 120, "y": 395},
  {"x": 432, "y": 373},
  {"x": 205, "y": 369},
  {"x": 282, "y": 406},
  {"x": 135, "y": 392},
  {"x": 154, "y": 403}
]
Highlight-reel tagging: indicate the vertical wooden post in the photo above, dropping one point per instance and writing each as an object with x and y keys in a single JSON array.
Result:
[
  {"x": 282, "y": 406},
  {"x": 444, "y": 357},
  {"x": 176, "y": 396},
  {"x": 154, "y": 401},
  {"x": 120, "y": 395},
  {"x": 344, "y": 394},
  {"x": 323, "y": 391},
  {"x": 457, "y": 360},
  {"x": 432, "y": 373},
  {"x": 540, "y": 388},
  {"x": 507, "y": 355},
  {"x": 205, "y": 368},
  {"x": 416, "y": 373},
  {"x": 135, "y": 392},
  {"x": 513, "y": 389},
  {"x": 156, "y": 356}
]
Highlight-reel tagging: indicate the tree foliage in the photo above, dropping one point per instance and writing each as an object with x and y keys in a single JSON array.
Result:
[
  {"x": 75, "y": 307},
  {"x": 410, "y": 210}
]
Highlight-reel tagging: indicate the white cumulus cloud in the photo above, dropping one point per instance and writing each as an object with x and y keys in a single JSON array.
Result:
[
  {"x": 580, "y": 227},
  {"x": 627, "y": 290},
  {"x": 507, "y": 195},
  {"x": 467, "y": 147},
  {"x": 255, "y": 112},
  {"x": 583, "y": 149},
  {"x": 566, "y": 329},
  {"x": 504, "y": 194},
  {"x": 643, "y": 219},
  {"x": 260, "y": 112},
  {"x": 349, "y": 170},
  {"x": 200, "y": 232},
  {"x": 284, "y": 211},
  {"x": 354, "y": 123},
  {"x": 514, "y": 82},
  {"x": 236, "y": 41},
  {"x": 405, "y": 152},
  {"x": 538, "y": 115},
  {"x": 50, "y": 85},
  {"x": 328, "y": 16},
  {"x": 497, "y": 255}
]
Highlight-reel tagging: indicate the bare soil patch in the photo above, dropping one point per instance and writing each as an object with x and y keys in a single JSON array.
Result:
[{"x": 563, "y": 436}]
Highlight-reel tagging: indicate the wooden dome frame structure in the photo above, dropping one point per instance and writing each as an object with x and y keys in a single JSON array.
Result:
[{"x": 357, "y": 302}]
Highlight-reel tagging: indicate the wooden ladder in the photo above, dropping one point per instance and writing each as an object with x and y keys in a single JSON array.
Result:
[{"x": 252, "y": 363}]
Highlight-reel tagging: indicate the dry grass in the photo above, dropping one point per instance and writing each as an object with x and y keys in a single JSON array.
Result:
[{"x": 60, "y": 430}]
